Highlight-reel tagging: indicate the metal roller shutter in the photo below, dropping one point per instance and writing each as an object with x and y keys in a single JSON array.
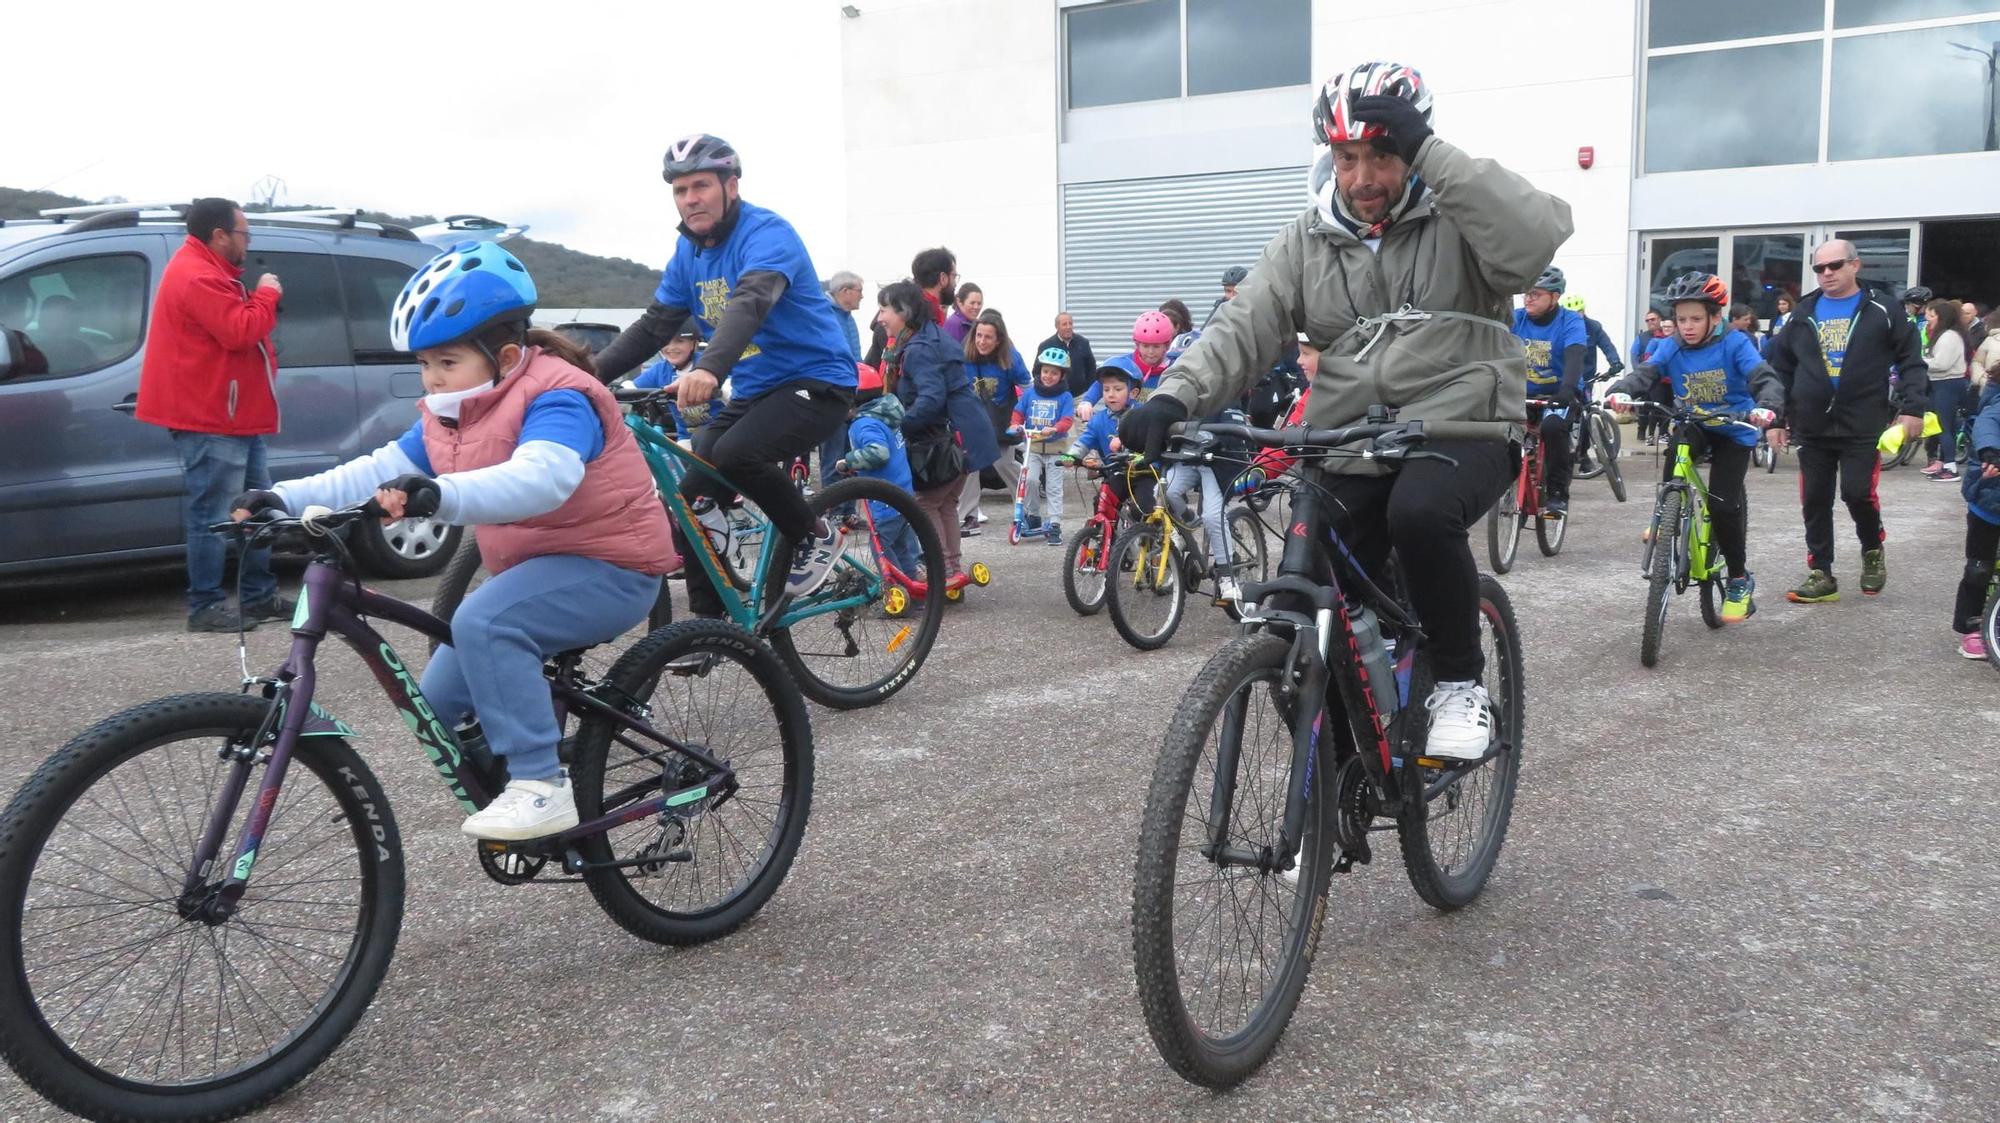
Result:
[{"x": 1129, "y": 245}]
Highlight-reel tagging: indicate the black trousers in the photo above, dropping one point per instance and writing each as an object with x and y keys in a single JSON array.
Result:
[
  {"x": 1858, "y": 466},
  {"x": 1982, "y": 542},
  {"x": 1728, "y": 463},
  {"x": 1556, "y": 459},
  {"x": 752, "y": 442},
  {"x": 1423, "y": 512}
]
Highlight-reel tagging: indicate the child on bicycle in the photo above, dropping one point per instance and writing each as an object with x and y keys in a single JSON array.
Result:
[
  {"x": 875, "y": 449},
  {"x": 676, "y": 359},
  {"x": 1981, "y": 488},
  {"x": 1184, "y": 478},
  {"x": 1045, "y": 415},
  {"x": 1151, "y": 333},
  {"x": 517, "y": 438},
  {"x": 1717, "y": 374},
  {"x": 1099, "y": 440}
]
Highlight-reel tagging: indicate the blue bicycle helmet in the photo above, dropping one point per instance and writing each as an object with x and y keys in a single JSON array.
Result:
[{"x": 467, "y": 288}]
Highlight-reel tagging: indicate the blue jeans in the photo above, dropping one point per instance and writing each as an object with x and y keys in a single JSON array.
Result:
[
  {"x": 503, "y": 631},
  {"x": 899, "y": 538},
  {"x": 1947, "y": 399},
  {"x": 214, "y": 470}
]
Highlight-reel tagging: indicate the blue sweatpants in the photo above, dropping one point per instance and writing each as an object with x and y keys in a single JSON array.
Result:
[
  {"x": 898, "y": 537},
  {"x": 503, "y": 631}
]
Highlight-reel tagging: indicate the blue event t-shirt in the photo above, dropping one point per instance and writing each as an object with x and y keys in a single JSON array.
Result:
[
  {"x": 801, "y": 337},
  {"x": 1832, "y": 320},
  {"x": 1713, "y": 378},
  {"x": 1546, "y": 344}
]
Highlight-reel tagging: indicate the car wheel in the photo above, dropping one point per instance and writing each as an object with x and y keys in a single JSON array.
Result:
[{"x": 404, "y": 548}]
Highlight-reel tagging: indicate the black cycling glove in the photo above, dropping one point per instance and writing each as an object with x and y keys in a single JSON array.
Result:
[
  {"x": 420, "y": 495},
  {"x": 1145, "y": 426},
  {"x": 1407, "y": 128},
  {"x": 257, "y": 501}
]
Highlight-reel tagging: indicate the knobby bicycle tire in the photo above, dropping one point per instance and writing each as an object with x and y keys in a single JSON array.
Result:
[
  {"x": 817, "y": 648},
  {"x": 340, "y": 797},
  {"x": 1448, "y": 884},
  {"x": 1660, "y": 576},
  {"x": 1173, "y": 1003},
  {"x": 1129, "y": 589},
  {"x": 672, "y": 671}
]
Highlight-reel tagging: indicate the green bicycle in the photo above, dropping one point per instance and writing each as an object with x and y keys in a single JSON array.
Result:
[
  {"x": 854, "y": 642},
  {"x": 1680, "y": 546}
]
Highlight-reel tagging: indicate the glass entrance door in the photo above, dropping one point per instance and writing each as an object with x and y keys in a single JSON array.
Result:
[
  {"x": 1761, "y": 264},
  {"x": 1888, "y": 257}
]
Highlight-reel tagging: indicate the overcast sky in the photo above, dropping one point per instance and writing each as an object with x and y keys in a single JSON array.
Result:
[{"x": 552, "y": 114}]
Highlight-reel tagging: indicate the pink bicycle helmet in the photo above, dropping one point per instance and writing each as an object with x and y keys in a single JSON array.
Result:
[{"x": 1152, "y": 327}]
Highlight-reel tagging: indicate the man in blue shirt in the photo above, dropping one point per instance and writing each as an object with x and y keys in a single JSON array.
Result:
[
  {"x": 743, "y": 274},
  {"x": 1558, "y": 346}
]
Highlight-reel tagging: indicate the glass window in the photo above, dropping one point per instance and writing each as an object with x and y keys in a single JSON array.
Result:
[
  {"x": 1766, "y": 267},
  {"x": 1248, "y": 44},
  {"x": 1864, "y": 13},
  {"x": 1672, "y": 257},
  {"x": 1123, "y": 52},
  {"x": 1939, "y": 101},
  {"x": 81, "y": 315},
  {"x": 1885, "y": 261},
  {"x": 372, "y": 286},
  {"x": 1769, "y": 114},
  {"x": 312, "y": 330},
  {"x": 1676, "y": 23}
]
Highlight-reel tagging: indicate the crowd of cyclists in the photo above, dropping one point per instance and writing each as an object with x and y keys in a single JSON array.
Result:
[{"x": 1394, "y": 288}]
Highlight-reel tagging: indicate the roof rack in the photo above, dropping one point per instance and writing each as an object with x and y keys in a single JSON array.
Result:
[
  {"x": 348, "y": 216},
  {"x": 59, "y": 214}
]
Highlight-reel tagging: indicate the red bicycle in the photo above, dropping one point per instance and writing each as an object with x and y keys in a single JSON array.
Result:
[
  {"x": 1523, "y": 502},
  {"x": 1087, "y": 563}
]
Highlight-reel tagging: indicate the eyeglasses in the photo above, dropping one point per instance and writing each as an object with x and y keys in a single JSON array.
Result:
[{"x": 1830, "y": 266}]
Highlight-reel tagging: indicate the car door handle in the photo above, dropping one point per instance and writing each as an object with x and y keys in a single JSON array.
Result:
[{"x": 129, "y": 405}]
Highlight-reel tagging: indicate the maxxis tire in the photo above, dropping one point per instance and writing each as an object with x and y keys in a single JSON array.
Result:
[
  {"x": 927, "y": 614},
  {"x": 36, "y": 809},
  {"x": 1195, "y": 1056},
  {"x": 1437, "y": 887},
  {"x": 1660, "y": 578},
  {"x": 642, "y": 664}
]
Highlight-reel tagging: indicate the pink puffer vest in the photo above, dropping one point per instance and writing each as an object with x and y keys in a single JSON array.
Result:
[{"x": 615, "y": 515}]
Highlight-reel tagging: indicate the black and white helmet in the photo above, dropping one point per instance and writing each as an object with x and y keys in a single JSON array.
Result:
[
  {"x": 1333, "y": 107},
  {"x": 700, "y": 152}
]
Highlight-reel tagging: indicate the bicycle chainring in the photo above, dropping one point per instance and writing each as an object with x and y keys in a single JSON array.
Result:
[
  {"x": 1352, "y": 808},
  {"x": 509, "y": 867}
]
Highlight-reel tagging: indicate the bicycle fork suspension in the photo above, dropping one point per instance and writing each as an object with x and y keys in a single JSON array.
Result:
[{"x": 1306, "y": 728}]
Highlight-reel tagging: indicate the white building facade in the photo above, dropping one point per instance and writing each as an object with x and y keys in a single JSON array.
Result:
[{"x": 1103, "y": 155}]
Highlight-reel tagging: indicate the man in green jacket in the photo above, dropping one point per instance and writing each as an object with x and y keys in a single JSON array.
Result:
[{"x": 1402, "y": 273}]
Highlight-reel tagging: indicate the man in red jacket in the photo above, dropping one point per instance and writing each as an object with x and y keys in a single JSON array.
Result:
[{"x": 208, "y": 379}]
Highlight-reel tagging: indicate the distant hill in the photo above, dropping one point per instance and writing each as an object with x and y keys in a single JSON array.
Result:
[{"x": 566, "y": 278}]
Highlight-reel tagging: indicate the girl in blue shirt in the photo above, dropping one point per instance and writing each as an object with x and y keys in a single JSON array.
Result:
[{"x": 1722, "y": 377}]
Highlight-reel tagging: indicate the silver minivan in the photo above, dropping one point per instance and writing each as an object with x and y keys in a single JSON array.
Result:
[{"x": 85, "y": 484}]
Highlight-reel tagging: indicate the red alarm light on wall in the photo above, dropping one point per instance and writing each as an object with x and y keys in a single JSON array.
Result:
[{"x": 1585, "y": 157}]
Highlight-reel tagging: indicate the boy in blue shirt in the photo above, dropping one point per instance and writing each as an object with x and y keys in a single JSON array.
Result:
[
  {"x": 1099, "y": 439},
  {"x": 875, "y": 449},
  {"x": 1558, "y": 346},
  {"x": 1724, "y": 376},
  {"x": 676, "y": 359},
  {"x": 1044, "y": 415}
]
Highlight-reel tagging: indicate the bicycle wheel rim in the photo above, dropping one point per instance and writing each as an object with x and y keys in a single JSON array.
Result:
[
  {"x": 732, "y": 844},
  {"x": 261, "y": 1025},
  {"x": 1083, "y": 569},
  {"x": 1465, "y": 825},
  {"x": 1503, "y": 530},
  {"x": 1247, "y": 548},
  {"x": 1148, "y": 595}
]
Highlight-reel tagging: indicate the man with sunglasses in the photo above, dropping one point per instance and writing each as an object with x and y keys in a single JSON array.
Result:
[{"x": 1850, "y": 366}]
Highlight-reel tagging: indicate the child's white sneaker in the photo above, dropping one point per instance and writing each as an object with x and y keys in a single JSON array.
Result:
[
  {"x": 525, "y": 809},
  {"x": 1226, "y": 589}
]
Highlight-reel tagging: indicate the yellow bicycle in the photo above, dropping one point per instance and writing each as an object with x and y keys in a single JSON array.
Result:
[{"x": 1155, "y": 559}]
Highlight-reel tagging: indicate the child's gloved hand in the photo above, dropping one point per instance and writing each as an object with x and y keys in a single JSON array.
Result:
[
  {"x": 408, "y": 497},
  {"x": 840, "y": 467}
]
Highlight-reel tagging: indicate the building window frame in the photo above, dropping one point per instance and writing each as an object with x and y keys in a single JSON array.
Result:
[
  {"x": 1065, "y": 7},
  {"x": 1826, "y": 35}
]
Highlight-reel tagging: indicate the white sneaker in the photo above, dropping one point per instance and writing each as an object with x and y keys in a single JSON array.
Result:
[
  {"x": 1226, "y": 589},
  {"x": 982, "y": 517},
  {"x": 1461, "y": 721},
  {"x": 525, "y": 809},
  {"x": 816, "y": 556}
]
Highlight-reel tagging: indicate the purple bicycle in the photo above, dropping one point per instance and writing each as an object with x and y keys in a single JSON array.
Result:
[{"x": 200, "y": 895}]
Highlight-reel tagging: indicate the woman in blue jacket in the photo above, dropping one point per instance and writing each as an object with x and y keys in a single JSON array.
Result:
[{"x": 925, "y": 369}]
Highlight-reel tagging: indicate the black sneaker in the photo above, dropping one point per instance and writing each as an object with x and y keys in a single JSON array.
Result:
[
  {"x": 1555, "y": 507},
  {"x": 272, "y": 608},
  {"x": 217, "y": 618}
]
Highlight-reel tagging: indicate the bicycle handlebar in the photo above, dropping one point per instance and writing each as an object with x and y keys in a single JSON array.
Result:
[
  {"x": 1692, "y": 416},
  {"x": 314, "y": 520},
  {"x": 1387, "y": 435}
]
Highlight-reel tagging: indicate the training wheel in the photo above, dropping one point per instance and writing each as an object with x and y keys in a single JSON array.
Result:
[
  {"x": 981, "y": 575},
  {"x": 954, "y": 593},
  {"x": 896, "y": 601}
]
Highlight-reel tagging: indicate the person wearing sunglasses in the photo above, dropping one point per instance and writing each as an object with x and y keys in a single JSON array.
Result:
[{"x": 1836, "y": 357}]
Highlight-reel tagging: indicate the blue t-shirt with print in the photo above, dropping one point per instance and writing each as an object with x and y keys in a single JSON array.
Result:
[
  {"x": 1546, "y": 344},
  {"x": 1832, "y": 320},
  {"x": 799, "y": 338},
  {"x": 1712, "y": 378},
  {"x": 564, "y": 417},
  {"x": 1045, "y": 411}
]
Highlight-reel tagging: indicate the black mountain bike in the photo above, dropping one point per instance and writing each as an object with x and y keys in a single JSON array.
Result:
[
  {"x": 1283, "y": 760},
  {"x": 200, "y": 895}
]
